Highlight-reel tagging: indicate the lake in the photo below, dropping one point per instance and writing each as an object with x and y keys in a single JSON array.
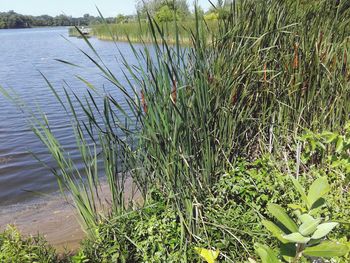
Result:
[{"x": 24, "y": 53}]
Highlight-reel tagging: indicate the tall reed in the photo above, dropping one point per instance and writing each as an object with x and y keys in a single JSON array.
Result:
[{"x": 140, "y": 31}]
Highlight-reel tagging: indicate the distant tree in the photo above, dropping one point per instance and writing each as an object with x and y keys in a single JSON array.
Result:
[
  {"x": 154, "y": 6},
  {"x": 11, "y": 19},
  {"x": 16, "y": 21},
  {"x": 165, "y": 14},
  {"x": 2, "y": 24},
  {"x": 121, "y": 19},
  {"x": 220, "y": 11}
]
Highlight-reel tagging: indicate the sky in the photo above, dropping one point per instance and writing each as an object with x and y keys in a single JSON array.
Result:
[{"x": 75, "y": 8}]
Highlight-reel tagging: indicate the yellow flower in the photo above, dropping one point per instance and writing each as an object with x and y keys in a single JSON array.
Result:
[{"x": 208, "y": 255}]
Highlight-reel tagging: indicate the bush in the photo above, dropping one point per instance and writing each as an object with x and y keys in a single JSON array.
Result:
[
  {"x": 211, "y": 16},
  {"x": 240, "y": 199},
  {"x": 303, "y": 234},
  {"x": 15, "y": 249},
  {"x": 165, "y": 14},
  {"x": 151, "y": 234}
]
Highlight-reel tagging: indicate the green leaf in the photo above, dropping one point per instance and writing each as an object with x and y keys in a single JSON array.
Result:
[
  {"x": 309, "y": 226},
  {"x": 297, "y": 238},
  {"x": 288, "y": 251},
  {"x": 329, "y": 136},
  {"x": 279, "y": 213},
  {"x": 266, "y": 254},
  {"x": 297, "y": 207},
  {"x": 312, "y": 144},
  {"x": 301, "y": 191},
  {"x": 317, "y": 206},
  {"x": 305, "y": 217},
  {"x": 323, "y": 230},
  {"x": 340, "y": 144},
  {"x": 275, "y": 230},
  {"x": 327, "y": 249},
  {"x": 318, "y": 189},
  {"x": 208, "y": 255}
]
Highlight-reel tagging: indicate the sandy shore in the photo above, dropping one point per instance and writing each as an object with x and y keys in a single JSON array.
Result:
[{"x": 51, "y": 217}]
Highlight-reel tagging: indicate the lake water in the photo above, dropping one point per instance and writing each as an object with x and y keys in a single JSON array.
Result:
[{"x": 24, "y": 53}]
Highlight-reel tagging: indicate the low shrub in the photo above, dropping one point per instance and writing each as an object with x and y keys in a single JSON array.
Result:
[
  {"x": 240, "y": 200},
  {"x": 16, "y": 249},
  {"x": 150, "y": 234},
  {"x": 303, "y": 234}
]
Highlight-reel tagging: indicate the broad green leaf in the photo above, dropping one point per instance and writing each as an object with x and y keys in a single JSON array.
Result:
[
  {"x": 279, "y": 213},
  {"x": 323, "y": 230},
  {"x": 318, "y": 189},
  {"x": 327, "y": 249},
  {"x": 297, "y": 238},
  {"x": 288, "y": 251},
  {"x": 317, "y": 206},
  {"x": 305, "y": 217},
  {"x": 266, "y": 254},
  {"x": 301, "y": 191},
  {"x": 275, "y": 230},
  {"x": 209, "y": 256},
  {"x": 309, "y": 226}
]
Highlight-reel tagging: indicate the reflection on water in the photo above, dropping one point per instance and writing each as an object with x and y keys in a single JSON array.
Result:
[{"x": 24, "y": 53}]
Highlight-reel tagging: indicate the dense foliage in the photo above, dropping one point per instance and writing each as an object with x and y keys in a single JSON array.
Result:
[
  {"x": 155, "y": 7},
  {"x": 15, "y": 249},
  {"x": 230, "y": 221},
  {"x": 303, "y": 234}
]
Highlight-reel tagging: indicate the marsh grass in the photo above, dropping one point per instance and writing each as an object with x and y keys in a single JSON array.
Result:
[
  {"x": 140, "y": 31},
  {"x": 269, "y": 71}
]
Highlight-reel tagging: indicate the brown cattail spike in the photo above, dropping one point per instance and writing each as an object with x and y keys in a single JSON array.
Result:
[
  {"x": 174, "y": 91},
  {"x": 320, "y": 43},
  {"x": 296, "y": 56},
  {"x": 234, "y": 99},
  {"x": 265, "y": 73},
  {"x": 143, "y": 101}
]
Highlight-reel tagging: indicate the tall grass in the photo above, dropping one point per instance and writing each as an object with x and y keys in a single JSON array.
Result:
[
  {"x": 141, "y": 32},
  {"x": 269, "y": 71}
]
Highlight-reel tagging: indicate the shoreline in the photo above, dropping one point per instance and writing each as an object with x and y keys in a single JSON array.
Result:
[
  {"x": 124, "y": 39},
  {"x": 55, "y": 218}
]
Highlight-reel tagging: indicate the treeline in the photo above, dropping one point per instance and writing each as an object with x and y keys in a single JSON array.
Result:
[
  {"x": 166, "y": 11},
  {"x": 12, "y": 19}
]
